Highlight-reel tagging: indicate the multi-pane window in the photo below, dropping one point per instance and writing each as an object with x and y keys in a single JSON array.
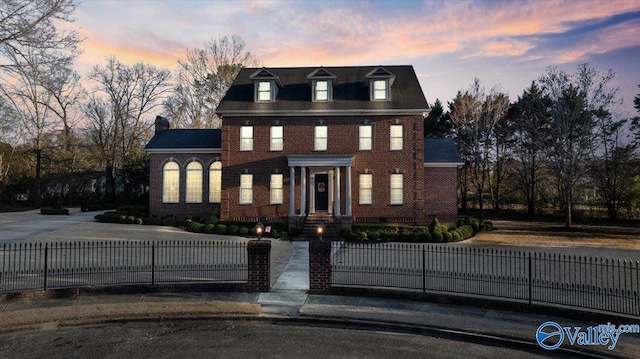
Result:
[
  {"x": 395, "y": 140},
  {"x": 276, "y": 188},
  {"x": 320, "y": 138},
  {"x": 397, "y": 188},
  {"x": 264, "y": 91},
  {"x": 194, "y": 183},
  {"x": 170, "y": 182},
  {"x": 366, "y": 138},
  {"x": 246, "y": 189},
  {"x": 322, "y": 91},
  {"x": 215, "y": 182},
  {"x": 246, "y": 138},
  {"x": 380, "y": 90},
  {"x": 277, "y": 138},
  {"x": 366, "y": 188}
]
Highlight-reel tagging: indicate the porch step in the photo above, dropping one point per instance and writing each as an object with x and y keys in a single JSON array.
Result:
[{"x": 311, "y": 225}]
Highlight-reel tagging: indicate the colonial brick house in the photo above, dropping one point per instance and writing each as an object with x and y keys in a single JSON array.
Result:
[{"x": 344, "y": 143}]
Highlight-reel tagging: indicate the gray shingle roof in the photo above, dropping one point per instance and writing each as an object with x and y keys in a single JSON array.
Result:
[
  {"x": 185, "y": 139},
  {"x": 439, "y": 150},
  {"x": 350, "y": 92}
]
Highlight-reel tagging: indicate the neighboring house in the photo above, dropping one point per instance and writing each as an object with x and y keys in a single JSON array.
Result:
[{"x": 342, "y": 142}]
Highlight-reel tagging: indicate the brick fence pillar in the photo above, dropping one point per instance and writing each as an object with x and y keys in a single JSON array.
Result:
[
  {"x": 319, "y": 266},
  {"x": 259, "y": 260}
]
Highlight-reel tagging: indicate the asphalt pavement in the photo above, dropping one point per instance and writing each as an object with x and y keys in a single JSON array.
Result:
[{"x": 285, "y": 322}]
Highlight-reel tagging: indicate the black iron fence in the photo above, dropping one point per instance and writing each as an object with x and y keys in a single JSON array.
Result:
[
  {"x": 587, "y": 282},
  {"x": 29, "y": 266}
]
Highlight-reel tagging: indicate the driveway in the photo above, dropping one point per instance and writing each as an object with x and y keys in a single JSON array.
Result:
[{"x": 33, "y": 227}]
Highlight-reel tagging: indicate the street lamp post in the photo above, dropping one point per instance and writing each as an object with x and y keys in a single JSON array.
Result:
[{"x": 259, "y": 228}]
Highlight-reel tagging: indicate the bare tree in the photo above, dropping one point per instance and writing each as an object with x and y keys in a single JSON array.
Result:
[
  {"x": 29, "y": 24},
  {"x": 475, "y": 115},
  {"x": 576, "y": 103},
  {"x": 121, "y": 102},
  {"x": 203, "y": 79}
]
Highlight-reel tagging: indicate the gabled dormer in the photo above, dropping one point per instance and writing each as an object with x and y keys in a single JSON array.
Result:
[
  {"x": 265, "y": 85},
  {"x": 380, "y": 81},
  {"x": 322, "y": 82}
]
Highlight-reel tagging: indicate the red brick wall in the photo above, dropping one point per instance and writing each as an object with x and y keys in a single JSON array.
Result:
[
  {"x": 440, "y": 192},
  {"x": 343, "y": 138},
  {"x": 182, "y": 209}
]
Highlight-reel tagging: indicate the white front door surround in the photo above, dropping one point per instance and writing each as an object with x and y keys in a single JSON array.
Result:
[{"x": 320, "y": 164}]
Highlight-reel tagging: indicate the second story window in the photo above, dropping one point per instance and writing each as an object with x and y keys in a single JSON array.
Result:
[
  {"x": 264, "y": 91},
  {"x": 366, "y": 138},
  {"x": 395, "y": 140},
  {"x": 277, "y": 138},
  {"x": 246, "y": 138},
  {"x": 320, "y": 138}
]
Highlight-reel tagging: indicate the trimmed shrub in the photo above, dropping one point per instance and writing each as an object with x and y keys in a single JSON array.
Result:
[
  {"x": 447, "y": 237},
  {"x": 233, "y": 230},
  {"x": 437, "y": 237},
  {"x": 425, "y": 237},
  {"x": 221, "y": 229},
  {"x": 274, "y": 233},
  {"x": 139, "y": 221},
  {"x": 243, "y": 231},
  {"x": 284, "y": 236},
  {"x": 211, "y": 219},
  {"x": 169, "y": 221},
  {"x": 346, "y": 233},
  {"x": 362, "y": 236},
  {"x": 488, "y": 224},
  {"x": 373, "y": 236},
  {"x": 209, "y": 228},
  {"x": 198, "y": 227}
]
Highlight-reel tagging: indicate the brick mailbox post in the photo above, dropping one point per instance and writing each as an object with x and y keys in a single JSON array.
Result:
[
  {"x": 319, "y": 266},
  {"x": 259, "y": 260}
]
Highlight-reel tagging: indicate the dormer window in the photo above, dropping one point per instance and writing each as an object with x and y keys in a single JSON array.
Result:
[
  {"x": 321, "y": 91},
  {"x": 380, "y": 81},
  {"x": 322, "y": 82},
  {"x": 266, "y": 85},
  {"x": 380, "y": 90},
  {"x": 264, "y": 91}
]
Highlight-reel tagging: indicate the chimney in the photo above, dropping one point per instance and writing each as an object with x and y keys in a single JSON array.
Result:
[{"x": 161, "y": 124}]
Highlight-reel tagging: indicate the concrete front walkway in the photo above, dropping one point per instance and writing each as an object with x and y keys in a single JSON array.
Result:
[{"x": 289, "y": 293}]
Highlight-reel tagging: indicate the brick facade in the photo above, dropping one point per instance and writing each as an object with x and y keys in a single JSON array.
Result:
[
  {"x": 440, "y": 192},
  {"x": 181, "y": 209},
  {"x": 343, "y": 138}
]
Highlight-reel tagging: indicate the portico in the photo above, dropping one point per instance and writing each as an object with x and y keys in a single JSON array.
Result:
[{"x": 322, "y": 183}]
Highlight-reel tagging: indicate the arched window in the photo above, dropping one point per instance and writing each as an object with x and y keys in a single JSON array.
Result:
[
  {"x": 171, "y": 182},
  {"x": 194, "y": 183},
  {"x": 215, "y": 182}
]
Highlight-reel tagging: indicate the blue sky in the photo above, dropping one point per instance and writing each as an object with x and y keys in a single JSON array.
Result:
[{"x": 449, "y": 43}]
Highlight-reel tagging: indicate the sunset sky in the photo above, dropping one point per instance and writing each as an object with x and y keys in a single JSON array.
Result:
[{"x": 504, "y": 43}]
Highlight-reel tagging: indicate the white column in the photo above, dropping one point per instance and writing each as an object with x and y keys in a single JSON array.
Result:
[
  {"x": 347, "y": 200},
  {"x": 292, "y": 191},
  {"x": 312, "y": 194},
  {"x": 303, "y": 190},
  {"x": 336, "y": 210}
]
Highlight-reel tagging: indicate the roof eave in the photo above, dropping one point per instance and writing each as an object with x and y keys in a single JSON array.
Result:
[
  {"x": 183, "y": 150},
  {"x": 419, "y": 111}
]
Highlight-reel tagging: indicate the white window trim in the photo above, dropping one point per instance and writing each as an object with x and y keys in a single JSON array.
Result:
[
  {"x": 248, "y": 190},
  {"x": 361, "y": 138},
  {"x": 170, "y": 195},
  {"x": 276, "y": 195},
  {"x": 392, "y": 200},
  {"x": 374, "y": 91},
  {"x": 276, "y": 145},
  {"x": 368, "y": 198},
  {"x": 329, "y": 91},
  {"x": 316, "y": 138},
  {"x": 193, "y": 194},
  {"x": 246, "y": 142},
  {"x": 215, "y": 187},
  {"x": 269, "y": 91},
  {"x": 392, "y": 146}
]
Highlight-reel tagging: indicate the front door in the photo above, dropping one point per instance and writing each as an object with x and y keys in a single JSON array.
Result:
[{"x": 322, "y": 192}]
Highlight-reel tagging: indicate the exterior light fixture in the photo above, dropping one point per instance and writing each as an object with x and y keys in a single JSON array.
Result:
[
  {"x": 320, "y": 229},
  {"x": 259, "y": 228}
]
